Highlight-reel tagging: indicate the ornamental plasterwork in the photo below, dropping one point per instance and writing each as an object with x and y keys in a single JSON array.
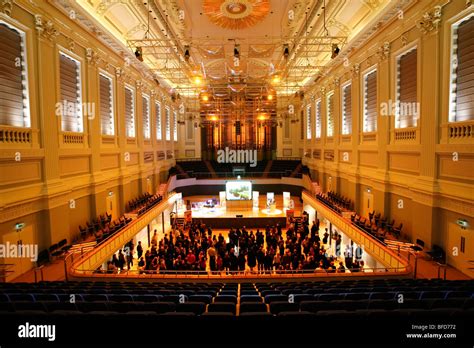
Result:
[
  {"x": 355, "y": 69},
  {"x": 372, "y": 4},
  {"x": 345, "y": 31},
  {"x": 6, "y": 7},
  {"x": 92, "y": 56},
  {"x": 384, "y": 50},
  {"x": 430, "y": 20},
  {"x": 45, "y": 29}
]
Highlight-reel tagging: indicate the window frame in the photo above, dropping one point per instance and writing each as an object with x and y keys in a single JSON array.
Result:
[
  {"x": 145, "y": 131},
  {"x": 25, "y": 72},
  {"x": 366, "y": 73},
  {"x": 113, "y": 99},
  {"x": 453, "y": 66},
  {"x": 134, "y": 113},
  {"x": 78, "y": 61},
  {"x": 343, "y": 113}
]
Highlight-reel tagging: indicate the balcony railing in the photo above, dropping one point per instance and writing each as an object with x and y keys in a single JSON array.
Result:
[
  {"x": 461, "y": 130},
  {"x": 73, "y": 138},
  {"x": 15, "y": 135}
]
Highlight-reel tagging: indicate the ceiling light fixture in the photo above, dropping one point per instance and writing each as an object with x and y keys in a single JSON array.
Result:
[
  {"x": 276, "y": 79},
  {"x": 335, "y": 51},
  {"x": 187, "y": 54},
  {"x": 139, "y": 54},
  {"x": 286, "y": 51}
]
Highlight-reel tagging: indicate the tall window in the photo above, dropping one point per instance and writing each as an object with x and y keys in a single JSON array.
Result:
[
  {"x": 308, "y": 122},
  {"x": 158, "y": 120},
  {"x": 370, "y": 101},
  {"x": 106, "y": 105},
  {"x": 70, "y": 91},
  {"x": 347, "y": 108},
  {"x": 130, "y": 112},
  {"x": 462, "y": 77},
  {"x": 330, "y": 114},
  {"x": 406, "y": 112},
  {"x": 14, "y": 104},
  {"x": 175, "y": 125},
  {"x": 146, "y": 116},
  {"x": 168, "y": 124},
  {"x": 318, "y": 118}
]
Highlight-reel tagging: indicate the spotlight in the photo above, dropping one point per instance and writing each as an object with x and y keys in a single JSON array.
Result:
[
  {"x": 335, "y": 51},
  {"x": 237, "y": 51},
  {"x": 139, "y": 54},
  {"x": 286, "y": 51},
  {"x": 197, "y": 80},
  {"x": 187, "y": 55},
  {"x": 276, "y": 79},
  {"x": 205, "y": 97},
  {"x": 270, "y": 97}
]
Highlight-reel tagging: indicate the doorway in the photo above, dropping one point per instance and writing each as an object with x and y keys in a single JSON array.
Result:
[
  {"x": 111, "y": 202},
  {"x": 367, "y": 203},
  {"x": 22, "y": 262},
  {"x": 459, "y": 252}
]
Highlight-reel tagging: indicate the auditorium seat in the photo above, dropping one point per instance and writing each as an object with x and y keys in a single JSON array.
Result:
[
  {"x": 250, "y": 298},
  {"x": 272, "y": 298},
  {"x": 222, "y": 307},
  {"x": 194, "y": 307},
  {"x": 201, "y": 298},
  {"x": 161, "y": 307},
  {"x": 218, "y": 315},
  {"x": 277, "y": 307},
  {"x": 225, "y": 298},
  {"x": 252, "y": 307}
]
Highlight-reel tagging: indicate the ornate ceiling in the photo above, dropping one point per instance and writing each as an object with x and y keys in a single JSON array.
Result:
[
  {"x": 236, "y": 14},
  {"x": 239, "y": 51}
]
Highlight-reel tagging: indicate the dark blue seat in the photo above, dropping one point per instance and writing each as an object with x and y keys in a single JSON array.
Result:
[
  {"x": 253, "y": 307},
  {"x": 222, "y": 307},
  {"x": 277, "y": 307},
  {"x": 250, "y": 298}
]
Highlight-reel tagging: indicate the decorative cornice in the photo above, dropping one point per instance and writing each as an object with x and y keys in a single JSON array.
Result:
[
  {"x": 6, "y": 7},
  {"x": 430, "y": 20},
  {"x": 45, "y": 29},
  {"x": 384, "y": 51}
]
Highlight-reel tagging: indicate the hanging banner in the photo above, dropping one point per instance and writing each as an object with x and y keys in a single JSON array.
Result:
[
  {"x": 222, "y": 199},
  {"x": 286, "y": 200},
  {"x": 255, "y": 197},
  {"x": 188, "y": 216}
]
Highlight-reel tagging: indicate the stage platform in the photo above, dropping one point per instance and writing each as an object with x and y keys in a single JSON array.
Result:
[{"x": 226, "y": 217}]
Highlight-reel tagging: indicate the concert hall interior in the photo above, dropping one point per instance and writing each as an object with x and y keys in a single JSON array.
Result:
[{"x": 217, "y": 162}]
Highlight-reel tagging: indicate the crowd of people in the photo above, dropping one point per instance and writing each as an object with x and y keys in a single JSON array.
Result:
[{"x": 197, "y": 248}]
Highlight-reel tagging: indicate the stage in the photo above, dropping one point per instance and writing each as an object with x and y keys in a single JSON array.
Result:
[{"x": 238, "y": 215}]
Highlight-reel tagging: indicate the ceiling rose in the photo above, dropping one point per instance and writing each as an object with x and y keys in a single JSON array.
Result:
[{"x": 236, "y": 14}]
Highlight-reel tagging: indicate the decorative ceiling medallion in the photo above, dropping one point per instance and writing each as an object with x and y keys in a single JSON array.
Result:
[{"x": 236, "y": 14}]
